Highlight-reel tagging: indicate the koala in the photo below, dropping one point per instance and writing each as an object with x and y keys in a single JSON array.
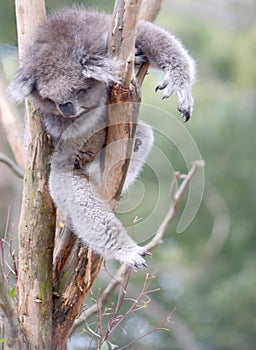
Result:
[{"x": 67, "y": 71}]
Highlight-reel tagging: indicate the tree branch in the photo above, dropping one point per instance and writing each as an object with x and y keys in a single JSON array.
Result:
[
  {"x": 123, "y": 107},
  {"x": 13, "y": 166},
  {"x": 157, "y": 239},
  {"x": 149, "y": 9}
]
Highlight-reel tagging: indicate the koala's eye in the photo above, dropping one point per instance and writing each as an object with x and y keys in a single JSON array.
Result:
[
  {"x": 81, "y": 92},
  {"x": 49, "y": 101}
]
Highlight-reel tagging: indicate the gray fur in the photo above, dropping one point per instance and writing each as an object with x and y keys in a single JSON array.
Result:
[{"x": 67, "y": 71}]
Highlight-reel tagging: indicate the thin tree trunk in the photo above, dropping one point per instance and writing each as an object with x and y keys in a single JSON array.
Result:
[{"x": 37, "y": 220}]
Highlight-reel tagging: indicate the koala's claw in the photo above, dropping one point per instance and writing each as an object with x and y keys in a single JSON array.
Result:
[
  {"x": 185, "y": 103},
  {"x": 146, "y": 253},
  {"x": 160, "y": 87},
  {"x": 165, "y": 86},
  {"x": 186, "y": 114}
]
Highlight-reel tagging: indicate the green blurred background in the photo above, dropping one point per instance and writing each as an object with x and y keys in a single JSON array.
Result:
[{"x": 208, "y": 271}]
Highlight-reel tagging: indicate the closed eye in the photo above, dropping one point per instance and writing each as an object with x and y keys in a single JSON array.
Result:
[
  {"x": 49, "y": 101},
  {"x": 82, "y": 92}
]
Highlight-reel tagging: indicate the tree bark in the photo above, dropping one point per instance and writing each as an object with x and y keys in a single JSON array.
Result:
[
  {"x": 36, "y": 241},
  {"x": 37, "y": 220}
]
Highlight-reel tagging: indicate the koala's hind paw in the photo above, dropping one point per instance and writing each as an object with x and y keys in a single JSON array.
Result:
[{"x": 132, "y": 256}]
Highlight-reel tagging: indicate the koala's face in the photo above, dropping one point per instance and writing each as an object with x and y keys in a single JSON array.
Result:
[{"x": 70, "y": 103}]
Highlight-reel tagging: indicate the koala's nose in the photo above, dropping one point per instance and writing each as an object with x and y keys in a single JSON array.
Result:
[{"x": 67, "y": 109}]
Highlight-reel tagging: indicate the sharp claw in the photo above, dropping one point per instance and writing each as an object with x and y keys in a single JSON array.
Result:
[
  {"x": 164, "y": 97},
  {"x": 186, "y": 115},
  {"x": 147, "y": 253},
  {"x": 160, "y": 87},
  {"x": 145, "y": 265},
  {"x": 136, "y": 265}
]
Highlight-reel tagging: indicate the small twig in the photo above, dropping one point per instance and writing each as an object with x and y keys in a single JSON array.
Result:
[
  {"x": 156, "y": 240},
  {"x": 12, "y": 165},
  {"x": 115, "y": 320},
  {"x": 14, "y": 259}
]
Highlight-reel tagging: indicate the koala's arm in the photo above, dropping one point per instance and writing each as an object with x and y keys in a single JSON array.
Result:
[{"x": 166, "y": 52}]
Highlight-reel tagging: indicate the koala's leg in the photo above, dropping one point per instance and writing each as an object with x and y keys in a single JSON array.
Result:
[
  {"x": 90, "y": 218},
  {"x": 167, "y": 53},
  {"x": 144, "y": 140}
]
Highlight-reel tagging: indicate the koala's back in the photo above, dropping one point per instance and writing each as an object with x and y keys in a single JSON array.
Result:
[{"x": 82, "y": 27}]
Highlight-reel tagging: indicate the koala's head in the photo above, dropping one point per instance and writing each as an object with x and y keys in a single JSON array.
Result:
[
  {"x": 63, "y": 77},
  {"x": 66, "y": 86}
]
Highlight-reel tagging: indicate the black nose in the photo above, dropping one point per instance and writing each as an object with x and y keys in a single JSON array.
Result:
[{"x": 67, "y": 109}]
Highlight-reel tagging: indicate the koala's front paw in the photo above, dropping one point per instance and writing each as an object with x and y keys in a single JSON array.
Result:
[
  {"x": 132, "y": 256},
  {"x": 185, "y": 102},
  {"x": 185, "y": 99}
]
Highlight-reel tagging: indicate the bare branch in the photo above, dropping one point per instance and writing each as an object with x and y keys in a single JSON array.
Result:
[
  {"x": 123, "y": 116},
  {"x": 149, "y": 9},
  {"x": 157, "y": 239},
  {"x": 123, "y": 108},
  {"x": 13, "y": 166},
  {"x": 123, "y": 35},
  {"x": 29, "y": 14}
]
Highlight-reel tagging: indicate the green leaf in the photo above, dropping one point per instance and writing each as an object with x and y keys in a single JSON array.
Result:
[
  {"x": 2, "y": 340},
  {"x": 13, "y": 292}
]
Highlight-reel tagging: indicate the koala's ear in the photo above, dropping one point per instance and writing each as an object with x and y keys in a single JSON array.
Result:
[
  {"x": 101, "y": 68},
  {"x": 22, "y": 85}
]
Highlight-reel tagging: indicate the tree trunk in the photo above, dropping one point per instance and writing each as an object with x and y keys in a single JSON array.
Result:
[
  {"x": 36, "y": 241},
  {"x": 37, "y": 220}
]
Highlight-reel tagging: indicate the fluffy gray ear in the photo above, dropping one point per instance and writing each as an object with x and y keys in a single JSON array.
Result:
[
  {"x": 22, "y": 85},
  {"x": 105, "y": 69}
]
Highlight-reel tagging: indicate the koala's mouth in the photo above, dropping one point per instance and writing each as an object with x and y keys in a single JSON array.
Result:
[{"x": 82, "y": 111}]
